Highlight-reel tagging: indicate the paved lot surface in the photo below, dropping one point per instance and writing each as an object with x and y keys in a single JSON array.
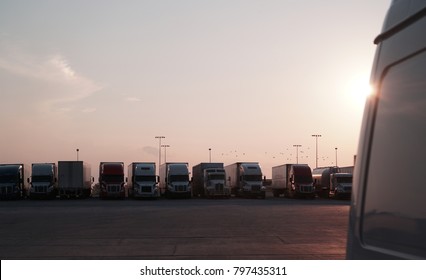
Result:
[{"x": 274, "y": 228}]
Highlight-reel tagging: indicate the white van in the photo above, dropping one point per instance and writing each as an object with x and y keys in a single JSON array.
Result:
[{"x": 388, "y": 210}]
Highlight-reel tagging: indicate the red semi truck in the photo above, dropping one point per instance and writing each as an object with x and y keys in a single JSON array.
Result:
[{"x": 111, "y": 180}]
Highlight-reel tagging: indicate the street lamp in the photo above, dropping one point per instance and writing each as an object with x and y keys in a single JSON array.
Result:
[
  {"x": 159, "y": 149},
  {"x": 77, "y": 150},
  {"x": 210, "y": 154},
  {"x": 336, "y": 156},
  {"x": 316, "y": 148},
  {"x": 165, "y": 151},
  {"x": 297, "y": 152}
]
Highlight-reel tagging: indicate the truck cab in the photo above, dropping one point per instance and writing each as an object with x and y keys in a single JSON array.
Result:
[
  {"x": 340, "y": 185},
  {"x": 143, "y": 181},
  {"x": 111, "y": 180},
  {"x": 300, "y": 182},
  {"x": 43, "y": 180},
  {"x": 250, "y": 180},
  {"x": 12, "y": 183},
  {"x": 176, "y": 180},
  {"x": 215, "y": 183}
]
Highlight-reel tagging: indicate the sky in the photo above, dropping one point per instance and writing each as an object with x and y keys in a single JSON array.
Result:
[{"x": 248, "y": 79}]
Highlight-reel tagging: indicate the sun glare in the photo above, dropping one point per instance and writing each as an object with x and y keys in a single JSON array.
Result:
[{"x": 359, "y": 88}]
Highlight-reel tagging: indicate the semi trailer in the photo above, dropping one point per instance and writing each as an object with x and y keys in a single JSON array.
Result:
[{"x": 74, "y": 179}]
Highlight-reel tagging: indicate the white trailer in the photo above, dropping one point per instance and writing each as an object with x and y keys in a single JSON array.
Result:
[{"x": 142, "y": 181}]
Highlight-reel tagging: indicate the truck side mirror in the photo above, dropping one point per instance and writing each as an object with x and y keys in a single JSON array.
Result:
[
  {"x": 28, "y": 180},
  {"x": 126, "y": 179},
  {"x": 158, "y": 179}
]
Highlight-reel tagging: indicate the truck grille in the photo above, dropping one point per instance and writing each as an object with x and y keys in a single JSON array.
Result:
[
  {"x": 219, "y": 187},
  {"x": 6, "y": 190},
  {"x": 255, "y": 188},
  {"x": 306, "y": 189},
  {"x": 347, "y": 189},
  {"x": 180, "y": 188},
  {"x": 42, "y": 189},
  {"x": 113, "y": 189},
  {"x": 146, "y": 189}
]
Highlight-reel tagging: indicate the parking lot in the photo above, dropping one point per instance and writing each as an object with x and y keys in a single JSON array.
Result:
[{"x": 273, "y": 228}]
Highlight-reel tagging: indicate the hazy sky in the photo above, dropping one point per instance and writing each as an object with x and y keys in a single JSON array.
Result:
[{"x": 248, "y": 79}]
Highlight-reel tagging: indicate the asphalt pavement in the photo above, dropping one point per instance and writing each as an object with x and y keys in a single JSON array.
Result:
[{"x": 236, "y": 228}]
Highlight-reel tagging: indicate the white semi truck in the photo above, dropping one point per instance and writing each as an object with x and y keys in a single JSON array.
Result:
[
  {"x": 174, "y": 180},
  {"x": 142, "y": 181},
  {"x": 245, "y": 179},
  {"x": 209, "y": 180},
  {"x": 340, "y": 185},
  {"x": 12, "y": 181},
  {"x": 44, "y": 182}
]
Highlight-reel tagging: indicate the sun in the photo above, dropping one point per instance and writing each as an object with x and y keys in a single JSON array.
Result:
[{"x": 359, "y": 88}]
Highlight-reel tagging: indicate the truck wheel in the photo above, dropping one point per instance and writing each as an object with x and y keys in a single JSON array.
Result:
[{"x": 276, "y": 193}]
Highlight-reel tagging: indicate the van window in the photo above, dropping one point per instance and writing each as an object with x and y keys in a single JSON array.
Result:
[{"x": 394, "y": 214}]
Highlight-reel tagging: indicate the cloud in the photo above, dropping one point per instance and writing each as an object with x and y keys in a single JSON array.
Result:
[
  {"x": 150, "y": 150},
  {"x": 59, "y": 85}
]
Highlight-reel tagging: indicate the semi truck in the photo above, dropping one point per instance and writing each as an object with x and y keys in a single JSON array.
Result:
[
  {"x": 12, "y": 181},
  {"x": 174, "y": 180},
  {"x": 292, "y": 180},
  {"x": 209, "y": 180},
  {"x": 245, "y": 179},
  {"x": 44, "y": 181},
  {"x": 142, "y": 181},
  {"x": 74, "y": 179},
  {"x": 111, "y": 180},
  {"x": 321, "y": 177},
  {"x": 340, "y": 185}
]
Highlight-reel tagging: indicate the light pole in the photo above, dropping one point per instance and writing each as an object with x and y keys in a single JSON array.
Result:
[
  {"x": 336, "y": 156},
  {"x": 210, "y": 154},
  {"x": 159, "y": 150},
  {"x": 77, "y": 150},
  {"x": 165, "y": 151},
  {"x": 316, "y": 148},
  {"x": 297, "y": 152}
]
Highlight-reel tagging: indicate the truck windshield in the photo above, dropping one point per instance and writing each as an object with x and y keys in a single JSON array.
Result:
[
  {"x": 303, "y": 179},
  {"x": 8, "y": 179},
  {"x": 216, "y": 176},
  {"x": 179, "y": 178},
  {"x": 256, "y": 178},
  {"x": 344, "y": 180},
  {"x": 113, "y": 178},
  {"x": 145, "y": 178},
  {"x": 42, "y": 178}
]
